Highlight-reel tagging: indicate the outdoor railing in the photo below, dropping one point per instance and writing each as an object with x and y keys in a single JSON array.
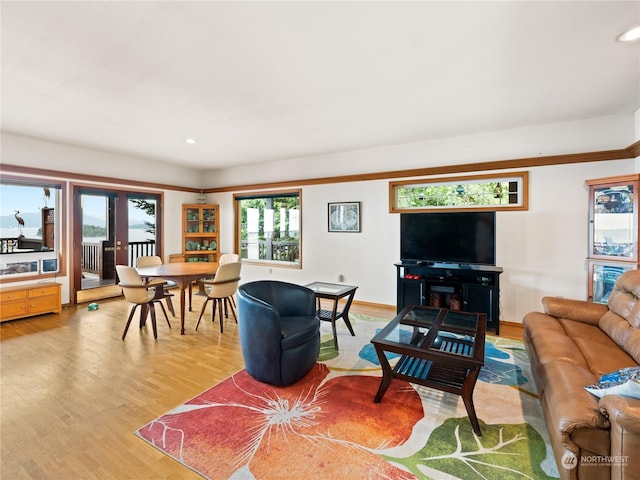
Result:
[
  {"x": 140, "y": 249},
  {"x": 93, "y": 254},
  {"x": 279, "y": 251},
  {"x": 91, "y": 259}
]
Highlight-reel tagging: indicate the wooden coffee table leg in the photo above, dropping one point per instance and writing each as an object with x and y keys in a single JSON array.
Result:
[
  {"x": 335, "y": 333},
  {"x": 387, "y": 376},
  {"x": 467, "y": 398},
  {"x": 345, "y": 313}
]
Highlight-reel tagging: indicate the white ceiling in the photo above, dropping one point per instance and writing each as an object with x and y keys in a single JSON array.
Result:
[{"x": 262, "y": 81}]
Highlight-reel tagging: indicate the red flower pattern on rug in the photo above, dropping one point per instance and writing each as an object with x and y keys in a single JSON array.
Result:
[{"x": 330, "y": 427}]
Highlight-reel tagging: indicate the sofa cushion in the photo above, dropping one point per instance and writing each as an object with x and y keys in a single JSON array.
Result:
[
  {"x": 557, "y": 348},
  {"x": 603, "y": 358},
  {"x": 578, "y": 330},
  {"x": 623, "y": 300},
  {"x": 622, "y": 333}
]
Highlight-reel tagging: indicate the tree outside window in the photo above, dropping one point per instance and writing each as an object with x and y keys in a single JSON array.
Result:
[{"x": 477, "y": 192}]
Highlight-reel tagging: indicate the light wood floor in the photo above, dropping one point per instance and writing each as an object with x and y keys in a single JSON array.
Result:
[{"x": 73, "y": 393}]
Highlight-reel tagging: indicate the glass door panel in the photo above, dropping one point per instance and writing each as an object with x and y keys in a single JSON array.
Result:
[
  {"x": 98, "y": 253},
  {"x": 142, "y": 227},
  {"x": 111, "y": 227},
  {"x": 613, "y": 222}
]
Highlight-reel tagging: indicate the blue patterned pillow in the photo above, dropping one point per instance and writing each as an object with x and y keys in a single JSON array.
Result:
[{"x": 625, "y": 381}]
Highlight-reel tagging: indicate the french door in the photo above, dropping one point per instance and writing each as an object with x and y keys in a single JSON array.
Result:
[{"x": 110, "y": 227}]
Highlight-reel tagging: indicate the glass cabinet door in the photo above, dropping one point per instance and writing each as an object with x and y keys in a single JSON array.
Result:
[
  {"x": 614, "y": 228},
  {"x": 200, "y": 232},
  {"x": 208, "y": 220},
  {"x": 192, "y": 220},
  {"x": 603, "y": 277},
  {"x": 613, "y": 232}
]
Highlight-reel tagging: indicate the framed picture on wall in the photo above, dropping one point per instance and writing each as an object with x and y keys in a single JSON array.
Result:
[{"x": 344, "y": 217}]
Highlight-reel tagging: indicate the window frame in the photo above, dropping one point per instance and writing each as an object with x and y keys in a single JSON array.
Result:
[
  {"x": 57, "y": 254},
  {"x": 522, "y": 193},
  {"x": 264, "y": 194}
]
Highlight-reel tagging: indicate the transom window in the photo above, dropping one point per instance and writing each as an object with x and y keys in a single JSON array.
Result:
[
  {"x": 269, "y": 227},
  {"x": 485, "y": 192}
]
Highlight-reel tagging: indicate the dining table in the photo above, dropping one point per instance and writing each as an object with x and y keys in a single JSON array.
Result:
[{"x": 183, "y": 274}]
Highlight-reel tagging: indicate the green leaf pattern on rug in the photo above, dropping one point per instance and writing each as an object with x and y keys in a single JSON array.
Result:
[
  {"x": 503, "y": 451},
  {"x": 327, "y": 350}
]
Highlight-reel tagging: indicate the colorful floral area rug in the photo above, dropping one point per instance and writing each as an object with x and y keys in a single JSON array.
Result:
[{"x": 327, "y": 427}]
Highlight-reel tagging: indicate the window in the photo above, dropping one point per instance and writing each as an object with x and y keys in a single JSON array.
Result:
[
  {"x": 268, "y": 227},
  {"x": 479, "y": 192},
  {"x": 30, "y": 221}
]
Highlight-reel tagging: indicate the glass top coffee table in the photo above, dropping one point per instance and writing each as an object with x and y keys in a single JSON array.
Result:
[{"x": 438, "y": 348}]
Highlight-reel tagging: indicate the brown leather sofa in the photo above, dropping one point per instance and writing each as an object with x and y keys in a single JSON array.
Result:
[{"x": 570, "y": 346}]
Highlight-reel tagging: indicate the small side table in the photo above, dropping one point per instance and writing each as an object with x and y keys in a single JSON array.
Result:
[{"x": 335, "y": 292}]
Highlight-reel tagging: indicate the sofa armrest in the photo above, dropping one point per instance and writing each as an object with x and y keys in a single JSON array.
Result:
[
  {"x": 578, "y": 310},
  {"x": 624, "y": 416}
]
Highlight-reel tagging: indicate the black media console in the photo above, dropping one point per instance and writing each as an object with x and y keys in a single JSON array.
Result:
[{"x": 465, "y": 287}]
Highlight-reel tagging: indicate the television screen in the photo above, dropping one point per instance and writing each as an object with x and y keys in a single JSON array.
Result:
[{"x": 458, "y": 237}]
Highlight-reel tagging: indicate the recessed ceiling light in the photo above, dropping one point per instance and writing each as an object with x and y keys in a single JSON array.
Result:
[
  {"x": 630, "y": 35},
  {"x": 191, "y": 141}
]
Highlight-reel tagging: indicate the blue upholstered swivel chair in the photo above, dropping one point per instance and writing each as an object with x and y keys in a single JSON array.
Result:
[{"x": 279, "y": 330}]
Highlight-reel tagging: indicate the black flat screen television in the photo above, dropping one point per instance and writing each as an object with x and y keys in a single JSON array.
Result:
[{"x": 457, "y": 237}]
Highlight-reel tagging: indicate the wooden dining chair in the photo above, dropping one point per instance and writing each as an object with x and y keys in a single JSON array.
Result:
[
  {"x": 221, "y": 290},
  {"x": 229, "y": 258},
  {"x": 162, "y": 286},
  {"x": 140, "y": 293}
]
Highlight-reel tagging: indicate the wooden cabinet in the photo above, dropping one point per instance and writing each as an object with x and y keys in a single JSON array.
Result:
[
  {"x": 28, "y": 300},
  {"x": 613, "y": 232},
  {"x": 200, "y": 230}
]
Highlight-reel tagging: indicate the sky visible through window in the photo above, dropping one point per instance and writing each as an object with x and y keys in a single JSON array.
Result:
[
  {"x": 30, "y": 200},
  {"x": 24, "y": 199}
]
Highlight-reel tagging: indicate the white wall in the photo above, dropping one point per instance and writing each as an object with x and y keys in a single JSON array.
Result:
[
  {"x": 542, "y": 250},
  {"x": 26, "y": 151},
  {"x": 596, "y": 134}
]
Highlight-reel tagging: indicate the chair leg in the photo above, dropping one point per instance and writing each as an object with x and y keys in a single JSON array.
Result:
[
  {"x": 204, "y": 306},
  {"x": 153, "y": 320},
  {"x": 170, "y": 305},
  {"x": 214, "y": 306},
  {"x": 229, "y": 301},
  {"x": 165, "y": 313},
  {"x": 220, "y": 314},
  {"x": 126, "y": 328},
  {"x": 144, "y": 312}
]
